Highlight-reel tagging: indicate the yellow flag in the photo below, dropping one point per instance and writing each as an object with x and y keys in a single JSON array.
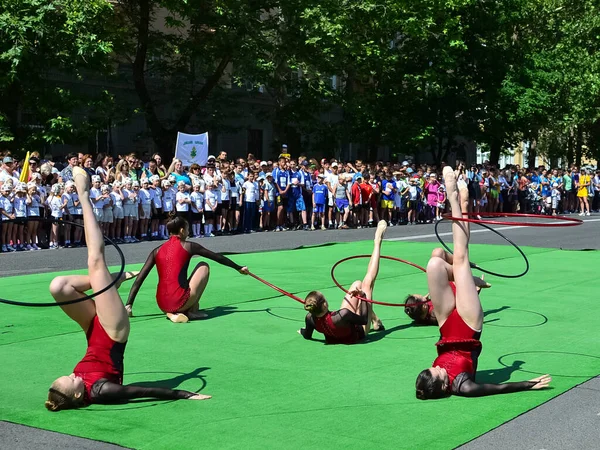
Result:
[{"x": 24, "y": 178}]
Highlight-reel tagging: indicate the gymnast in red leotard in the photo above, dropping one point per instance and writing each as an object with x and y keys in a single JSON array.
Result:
[
  {"x": 460, "y": 317},
  {"x": 351, "y": 323},
  {"x": 177, "y": 295},
  {"x": 98, "y": 377},
  {"x": 420, "y": 307}
]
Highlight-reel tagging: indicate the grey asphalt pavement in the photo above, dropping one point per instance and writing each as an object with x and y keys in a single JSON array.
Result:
[{"x": 569, "y": 421}]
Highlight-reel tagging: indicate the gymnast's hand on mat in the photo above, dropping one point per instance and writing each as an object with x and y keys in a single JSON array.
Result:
[
  {"x": 129, "y": 311},
  {"x": 541, "y": 382},
  {"x": 244, "y": 271},
  {"x": 199, "y": 397}
]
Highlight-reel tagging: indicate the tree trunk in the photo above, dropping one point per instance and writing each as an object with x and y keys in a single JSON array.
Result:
[
  {"x": 495, "y": 148},
  {"x": 570, "y": 148},
  {"x": 579, "y": 146},
  {"x": 532, "y": 154}
]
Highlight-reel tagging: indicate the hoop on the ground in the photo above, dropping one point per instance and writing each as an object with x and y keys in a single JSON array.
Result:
[
  {"x": 278, "y": 289},
  {"x": 87, "y": 297},
  {"x": 476, "y": 266},
  {"x": 392, "y": 258},
  {"x": 567, "y": 221}
]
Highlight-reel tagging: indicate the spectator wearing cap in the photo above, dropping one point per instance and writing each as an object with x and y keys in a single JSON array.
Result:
[
  {"x": 20, "y": 209},
  {"x": 67, "y": 173},
  {"x": 263, "y": 169},
  {"x": 34, "y": 202},
  {"x": 7, "y": 172}
]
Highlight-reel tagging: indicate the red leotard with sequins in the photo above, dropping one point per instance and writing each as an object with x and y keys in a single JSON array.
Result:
[
  {"x": 103, "y": 359},
  {"x": 458, "y": 348},
  {"x": 172, "y": 262},
  {"x": 336, "y": 334}
]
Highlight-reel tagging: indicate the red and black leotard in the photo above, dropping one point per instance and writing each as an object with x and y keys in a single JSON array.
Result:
[
  {"x": 172, "y": 260},
  {"x": 103, "y": 359},
  {"x": 339, "y": 327},
  {"x": 102, "y": 372}
]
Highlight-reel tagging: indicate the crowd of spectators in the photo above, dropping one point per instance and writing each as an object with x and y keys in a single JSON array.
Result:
[{"x": 133, "y": 197}]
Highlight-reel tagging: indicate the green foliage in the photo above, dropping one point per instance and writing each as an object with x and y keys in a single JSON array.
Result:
[{"x": 41, "y": 41}]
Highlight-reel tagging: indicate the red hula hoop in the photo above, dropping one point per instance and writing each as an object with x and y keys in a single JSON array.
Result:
[
  {"x": 572, "y": 221},
  {"x": 281, "y": 291},
  {"x": 368, "y": 256}
]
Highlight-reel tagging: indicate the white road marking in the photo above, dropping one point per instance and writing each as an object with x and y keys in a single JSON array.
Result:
[{"x": 502, "y": 228}]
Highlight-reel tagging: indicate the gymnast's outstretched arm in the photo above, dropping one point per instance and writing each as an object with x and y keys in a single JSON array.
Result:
[
  {"x": 465, "y": 387},
  {"x": 104, "y": 391},
  {"x": 150, "y": 262}
]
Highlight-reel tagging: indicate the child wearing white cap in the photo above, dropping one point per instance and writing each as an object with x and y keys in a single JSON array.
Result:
[
  {"x": 197, "y": 206},
  {"x": 107, "y": 212},
  {"x": 96, "y": 198},
  {"x": 157, "y": 214},
  {"x": 129, "y": 205},
  {"x": 34, "y": 202},
  {"x": 76, "y": 213},
  {"x": 67, "y": 199},
  {"x": 20, "y": 206},
  {"x": 117, "y": 198},
  {"x": 168, "y": 198},
  {"x": 145, "y": 207},
  {"x": 7, "y": 213},
  {"x": 57, "y": 207}
]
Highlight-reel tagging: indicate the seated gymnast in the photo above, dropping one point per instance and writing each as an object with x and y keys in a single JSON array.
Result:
[
  {"x": 177, "y": 295},
  {"x": 351, "y": 323},
  {"x": 420, "y": 307},
  {"x": 98, "y": 377},
  {"x": 460, "y": 318}
]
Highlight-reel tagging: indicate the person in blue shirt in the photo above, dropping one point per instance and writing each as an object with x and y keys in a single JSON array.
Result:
[
  {"x": 319, "y": 199},
  {"x": 307, "y": 186},
  {"x": 545, "y": 185},
  {"x": 296, "y": 200},
  {"x": 179, "y": 174},
  {"x": 281, "y": 178}
]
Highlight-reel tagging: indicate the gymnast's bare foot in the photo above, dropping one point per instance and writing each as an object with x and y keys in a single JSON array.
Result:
[
  {"x": 199, "y": 397},
  {"x": 178, "y": 318}
]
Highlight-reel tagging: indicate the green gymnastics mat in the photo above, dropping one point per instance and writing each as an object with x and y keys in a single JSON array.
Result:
[{"x": 273, "y": 389}]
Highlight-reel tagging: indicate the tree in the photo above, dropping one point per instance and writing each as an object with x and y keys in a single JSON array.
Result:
[{"x": 44, "y": 45}]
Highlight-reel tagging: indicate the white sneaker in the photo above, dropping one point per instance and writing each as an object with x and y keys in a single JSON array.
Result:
[
  {"x": 587, "y": 213},
  {"x": 29, "y": 247},
  {"x": 581, "y": 214},
  {"x": 35, "y": 247}
]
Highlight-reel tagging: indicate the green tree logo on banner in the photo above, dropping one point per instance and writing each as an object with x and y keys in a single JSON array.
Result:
[{"x": 193, "y": 153}]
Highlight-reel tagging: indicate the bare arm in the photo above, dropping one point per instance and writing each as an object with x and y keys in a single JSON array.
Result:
[
  {"x": 197, "y": 250},
  {"x": 150, "y": 262}
]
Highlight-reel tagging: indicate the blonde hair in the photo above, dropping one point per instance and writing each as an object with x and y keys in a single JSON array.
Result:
[
  {"x": 58, "y": 400},
  {"x": 314, "y": 302}
]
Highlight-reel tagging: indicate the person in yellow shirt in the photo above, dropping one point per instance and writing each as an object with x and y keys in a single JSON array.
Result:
[{"x": 582, "y": 193}]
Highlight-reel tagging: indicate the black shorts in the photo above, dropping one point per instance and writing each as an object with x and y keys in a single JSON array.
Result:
[
  {"x": 282, "y": 201},
  {"x": 219, "y": 209},
  {"x": 209, "y": 215},
  {"x": 225, "y": 205},
  {"x": 75, "y": 217},
  {"x": 184, "y": 214},
  {"x": 158, "y": 214},
  {"x": 20, "y": 220},
  {"x": 197, "y": 216}
]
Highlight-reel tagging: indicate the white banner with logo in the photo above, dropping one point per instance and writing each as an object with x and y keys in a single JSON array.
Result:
[{"x": 192, "y": 148}]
